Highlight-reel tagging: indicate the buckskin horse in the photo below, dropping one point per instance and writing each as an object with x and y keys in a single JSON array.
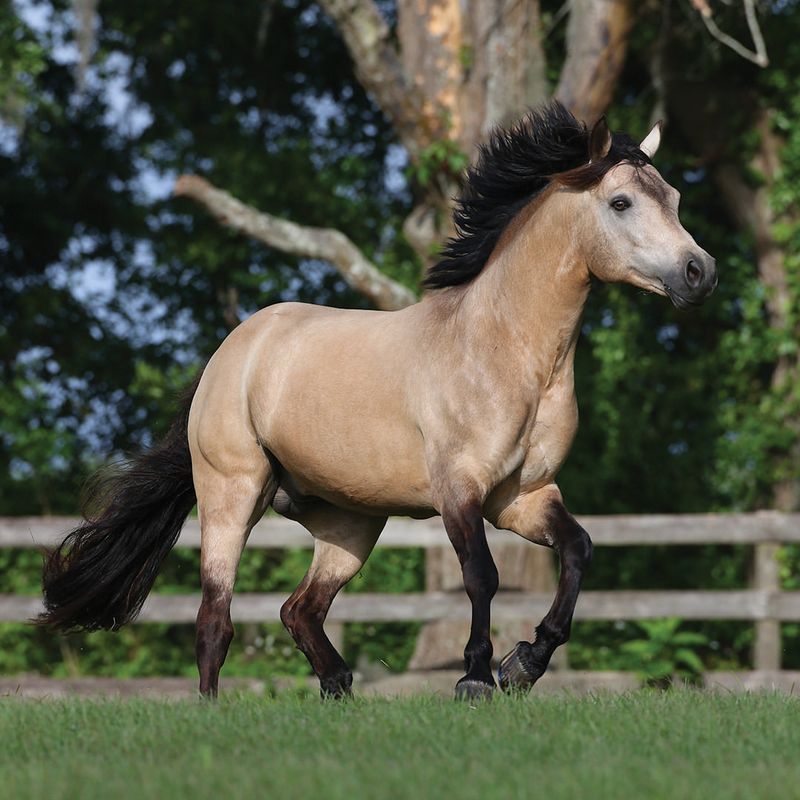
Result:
[{"x": 461, "y": 405}]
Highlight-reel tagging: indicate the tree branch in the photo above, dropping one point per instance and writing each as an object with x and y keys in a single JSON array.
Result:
[
  {"x": 597, "y": 38},
  {"x": 85, "y": 36},
  {"x": 300, "y": 240},
  {"x": 759, "y": 56},
  {"x": 380, "y": 70}
]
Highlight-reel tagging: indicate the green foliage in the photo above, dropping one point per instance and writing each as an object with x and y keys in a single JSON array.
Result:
[
  {"x": 259, "y": 651},
  {"x": 790, "y": 580},
  {"x": 111, "y": 294},
  {"x": 665, "y": 652},
  {"x": 439, "y": 159},
  {"x": 106, "y": 281},
  {"x": 390, "y": 644},
  {"x": 22, "y": 60}
]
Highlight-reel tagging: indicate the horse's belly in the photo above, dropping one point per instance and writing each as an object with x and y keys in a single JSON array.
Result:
[
  {"x": 375, "y": 485},
  {"x": 352, "y": 456}
]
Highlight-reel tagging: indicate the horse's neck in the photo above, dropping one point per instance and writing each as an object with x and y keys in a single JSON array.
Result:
[{"x": 532, "y": 294}]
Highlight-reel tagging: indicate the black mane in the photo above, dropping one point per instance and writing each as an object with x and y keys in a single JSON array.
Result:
[{"x": 514, "y": 167}]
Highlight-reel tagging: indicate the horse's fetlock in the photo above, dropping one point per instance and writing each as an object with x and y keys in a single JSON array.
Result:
[
  {"x": 481, "y": 652},
  {"x": 550, "y": 635}
]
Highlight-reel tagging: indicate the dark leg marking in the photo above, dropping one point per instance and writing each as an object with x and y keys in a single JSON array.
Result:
[
  {"x": 527, "y": 662},
  {"x": 303, "y": 615},
  {"x": 214, "y": 633},
  {"x": 467, "y": 534}
]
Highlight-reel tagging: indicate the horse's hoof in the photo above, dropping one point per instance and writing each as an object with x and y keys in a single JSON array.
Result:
[
  {"x": 336, "y": 687},
  {"x": 514, "y": 674},
  {"x": 474, "y": 690},
  {"x": 335, "y": 694},
  {"x": 335, "y": 690}
]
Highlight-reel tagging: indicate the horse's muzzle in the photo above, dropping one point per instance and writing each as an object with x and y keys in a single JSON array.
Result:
[{"x": 694, "y": 283}]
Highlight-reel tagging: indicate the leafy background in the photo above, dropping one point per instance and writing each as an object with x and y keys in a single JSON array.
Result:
[{"x": 112, "y": 293}]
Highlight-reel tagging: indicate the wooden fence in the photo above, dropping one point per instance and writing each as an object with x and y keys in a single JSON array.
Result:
[{"x": 763, "y": 603}]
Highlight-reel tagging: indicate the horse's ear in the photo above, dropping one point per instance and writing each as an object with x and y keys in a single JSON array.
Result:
[
  {"x": 599, "y": 140},
  {"x": 651, "y": 142}
]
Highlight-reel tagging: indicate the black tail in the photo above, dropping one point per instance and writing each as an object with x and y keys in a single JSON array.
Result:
[{"x": 102, "y": 572}]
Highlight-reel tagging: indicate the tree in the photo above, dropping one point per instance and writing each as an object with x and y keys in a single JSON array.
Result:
[
  {"x": 432, "y": 69},
  {"x": 678, "y": 412},
  {"x": 741, "y": 126},
  {"x": 111, "y": 293},
  {"x": 446, "y": 74}
]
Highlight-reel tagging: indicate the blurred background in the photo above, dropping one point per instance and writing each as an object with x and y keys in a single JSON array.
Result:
[{"x": 149, "y": 150}]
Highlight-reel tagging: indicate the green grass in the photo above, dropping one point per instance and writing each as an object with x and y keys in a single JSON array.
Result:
[{"x": 679, "y": 744}]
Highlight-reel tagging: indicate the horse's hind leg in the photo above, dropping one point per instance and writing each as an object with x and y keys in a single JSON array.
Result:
[
  {"x": 542, "y": 518},
  {"x": 229, "y": 502},
  {"x": 344, "y": 540}
]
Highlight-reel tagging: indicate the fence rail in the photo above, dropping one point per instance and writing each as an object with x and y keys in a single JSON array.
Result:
[
  {"x": 746, "y": 604},
  {"x": 607, "y": 531},
  {"x": 763, "y": 603}
]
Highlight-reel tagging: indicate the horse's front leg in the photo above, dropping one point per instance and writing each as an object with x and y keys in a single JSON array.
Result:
[
  {"x": 542, "y": 518},
  {"x": 465, "y": 529}
]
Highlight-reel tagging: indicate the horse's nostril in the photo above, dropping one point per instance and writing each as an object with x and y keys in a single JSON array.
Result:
[{"x": 693, "y": 274}]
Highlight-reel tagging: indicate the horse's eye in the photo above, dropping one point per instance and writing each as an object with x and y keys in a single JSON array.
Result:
[{"x": 620, "y": 203}]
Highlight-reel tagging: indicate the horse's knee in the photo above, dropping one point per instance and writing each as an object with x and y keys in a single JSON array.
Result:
[
  {"x": 481, "y": 578},
  {"x": 572, "y": 542},
  {"x": 465, "y": 529},
  {"x": 213, "y": 639},
  {"x": 586, "y": 548},
  {"x": 214, "y": 625},
  {"x": 579, "y": 550}
]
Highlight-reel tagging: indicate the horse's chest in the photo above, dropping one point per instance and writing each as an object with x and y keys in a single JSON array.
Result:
[{"x": 550, "y": 438}]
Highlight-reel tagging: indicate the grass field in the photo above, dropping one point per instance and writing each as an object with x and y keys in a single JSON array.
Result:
[{"x": 679, "y": 744}]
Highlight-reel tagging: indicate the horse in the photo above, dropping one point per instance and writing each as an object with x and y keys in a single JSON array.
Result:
[{"x": 461, "y": 405}]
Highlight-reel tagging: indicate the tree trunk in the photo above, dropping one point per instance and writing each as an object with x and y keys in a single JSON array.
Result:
[
  {"x": 751, "y": 207},
  {"x": 458, "y": 68},
  {"x": 476, "y": 63},
  {"x": 597, "y": 41}
]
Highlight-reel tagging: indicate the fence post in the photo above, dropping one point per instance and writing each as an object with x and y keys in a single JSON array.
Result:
[
  {"x": 335, "y": 633},
  {"x": 767, "y": 645}
]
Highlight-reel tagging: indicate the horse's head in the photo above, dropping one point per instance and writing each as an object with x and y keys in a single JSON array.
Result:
[{"x": 632, "y": 217}]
